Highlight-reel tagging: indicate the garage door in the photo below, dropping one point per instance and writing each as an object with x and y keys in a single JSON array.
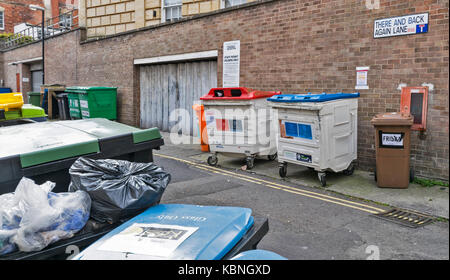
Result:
[{"x": 166, "y": 87}]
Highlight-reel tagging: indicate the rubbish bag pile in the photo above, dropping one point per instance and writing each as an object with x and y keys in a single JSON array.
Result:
[
  {"x": 118, "y": 188},
  {"x": 106, "y": 190},
  {"x": 33, "y": 217}
]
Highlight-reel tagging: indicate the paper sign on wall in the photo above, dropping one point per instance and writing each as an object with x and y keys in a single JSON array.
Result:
[
  {"x": 231, "y": 63},
  {"x": 361, "y": 77}
]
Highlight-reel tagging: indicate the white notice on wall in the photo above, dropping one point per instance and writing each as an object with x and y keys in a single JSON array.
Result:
[
  {"x": 148, "y": 239},
  {"x": 361, "y": 78},
  {"x": 231, "y": 63}
]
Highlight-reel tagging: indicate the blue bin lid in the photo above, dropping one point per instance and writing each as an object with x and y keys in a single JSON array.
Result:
[
  {"x": 293, "y": 98},
  {"x": 5, "y": 90},
  {"x": 259, "y": 255},
  {"x": 174, "y": 231}
]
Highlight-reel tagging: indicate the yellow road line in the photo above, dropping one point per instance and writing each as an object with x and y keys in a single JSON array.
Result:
[
  {"x": 277, "y": 186},
  {"x": 299, "y": 190}
]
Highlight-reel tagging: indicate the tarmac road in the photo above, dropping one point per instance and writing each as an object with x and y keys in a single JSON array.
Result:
[{"x": 304, "y": 222}]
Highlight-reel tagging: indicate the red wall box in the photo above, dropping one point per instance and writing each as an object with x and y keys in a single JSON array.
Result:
[{"x": 414, "y": 100}]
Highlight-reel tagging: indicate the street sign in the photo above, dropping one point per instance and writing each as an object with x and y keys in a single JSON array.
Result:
[{"x": 403, "y": 25}]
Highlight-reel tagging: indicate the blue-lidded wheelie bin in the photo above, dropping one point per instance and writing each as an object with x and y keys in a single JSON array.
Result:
[{"x": 181, "y": 232}]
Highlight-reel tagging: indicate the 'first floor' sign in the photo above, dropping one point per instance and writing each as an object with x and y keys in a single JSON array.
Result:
[{"x": 403, "y": 25}]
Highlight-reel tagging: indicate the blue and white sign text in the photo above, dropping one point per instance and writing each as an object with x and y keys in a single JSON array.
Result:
[{"x": 404, "y": 25}]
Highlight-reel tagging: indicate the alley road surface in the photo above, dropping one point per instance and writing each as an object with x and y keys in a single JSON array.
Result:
[{"x": 304, "y": 223}]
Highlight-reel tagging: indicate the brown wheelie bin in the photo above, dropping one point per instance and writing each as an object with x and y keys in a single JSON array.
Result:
[{"x": 392, "y": 142}]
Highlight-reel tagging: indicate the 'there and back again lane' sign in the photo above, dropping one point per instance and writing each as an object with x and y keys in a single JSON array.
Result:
[{"x": 403, "y": 25}]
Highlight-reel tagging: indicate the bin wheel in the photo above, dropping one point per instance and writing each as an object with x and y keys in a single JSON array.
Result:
[
  {"x": 282, "y": 170},
  {"x": 250, "y": 162},
  {"x": 212, "y": 160},
  {"x": 272, "y": 157},
  {"x": 322, "y": 178},
  {"x": 349, "y": 171},
  {"x": 411, "y": 175}
]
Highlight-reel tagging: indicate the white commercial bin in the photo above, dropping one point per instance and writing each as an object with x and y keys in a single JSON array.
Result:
[
  {"x": 238, "y": 122},
  {"x": 318, "y": 131}
]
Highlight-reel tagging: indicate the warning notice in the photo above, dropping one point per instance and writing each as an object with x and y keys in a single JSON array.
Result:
[
  {"x": 403, "y": 25},
  {"x": 148, "y": 239}
]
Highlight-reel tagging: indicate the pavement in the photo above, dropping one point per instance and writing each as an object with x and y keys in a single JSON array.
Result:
[
  {"x": 307, "y": 221},
  {"x": 433, "y": 201}
]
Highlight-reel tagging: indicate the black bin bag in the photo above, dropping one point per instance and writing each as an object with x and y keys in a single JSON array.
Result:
[{"x": 118, "y": 189}]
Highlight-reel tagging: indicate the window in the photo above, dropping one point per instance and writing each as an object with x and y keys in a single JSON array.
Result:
[
  {"x": 230, "y": 3},
  {"x": 2, "y": 19},
  {"x": 65, "y": 20},
  {"x": 171, "y": 10}
]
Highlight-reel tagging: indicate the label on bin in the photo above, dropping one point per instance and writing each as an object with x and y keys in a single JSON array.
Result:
[
  {"x": 304, "y": 158},
  {"x": 148, "y": 239},
  {"x": 298, "y": 156},
  {"x": 85, "y": 113},
  {"x": 84, "y": 104},
  {"x": 297, "y": 130},
  {"x": 391, "y": 140}
]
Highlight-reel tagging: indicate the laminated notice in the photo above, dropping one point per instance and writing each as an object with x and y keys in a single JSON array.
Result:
[{"x": 148, "y": 239}]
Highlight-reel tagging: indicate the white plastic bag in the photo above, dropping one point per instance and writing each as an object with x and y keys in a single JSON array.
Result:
[{"x": 35, "y": 217}]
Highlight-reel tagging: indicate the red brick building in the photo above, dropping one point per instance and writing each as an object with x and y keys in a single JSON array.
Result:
[
  {"x": 14, "y": 12},
  {"x": 295, "y": 46}
]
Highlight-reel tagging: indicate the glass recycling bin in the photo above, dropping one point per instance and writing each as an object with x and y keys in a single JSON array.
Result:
[{"x": 318, "y": 131}]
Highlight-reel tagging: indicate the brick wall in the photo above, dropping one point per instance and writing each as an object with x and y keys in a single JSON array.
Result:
[{"x": 295, "y": 46}]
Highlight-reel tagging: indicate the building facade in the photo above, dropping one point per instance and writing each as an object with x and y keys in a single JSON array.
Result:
[
  {"x": 107, "y": 17},
  {"x": 293, "y": 46},
  {"x": 16, "y": 12}
]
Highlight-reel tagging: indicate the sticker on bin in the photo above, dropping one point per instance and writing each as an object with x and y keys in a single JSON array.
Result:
[
  {"x": 84, "y": 104},
  {"x": 295, "y": 130},
  {"x": 148, "y": 239},
  {"x": 229, "y": 125},
  {"x": 298, "y": 156},
  {"x": 391, "y": 140}
]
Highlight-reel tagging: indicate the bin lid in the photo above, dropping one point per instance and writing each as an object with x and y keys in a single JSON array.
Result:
[
  {"x": 31, "y": 93},
  {"x": 80, "y": 89},
  {"x": 11, "y": 100},
  {"x": 103, "y": 128},
  {"x": 237, "y": 93},
  {"x": 395, "y": 118},
  {"x": 297, "y": 98},
  {"x": 262, "y": 255},
  {"x": 5, "y": 90},
  {"x": 174, "y": 231},
  {"x": 38, "y": 143}
]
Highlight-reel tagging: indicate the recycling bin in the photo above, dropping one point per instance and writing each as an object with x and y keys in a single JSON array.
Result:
[
  {"x": 5, "y": 90},
  {"x": 261, "y": 255},
  {"x": 34, "y": 98},
  {"x": 238, "y": 123},
  {"x": 200, "y": 126},
  {"x": 93, "y": 102},
  {"x": 45, "y": 151},
  {"x": 392, "y": 142},
  {"x": 181, "y": 232},
  {"x": 63, "y": 106},
  {"x": 74, "y": 106},
  {"x": 318, "y": 131}
]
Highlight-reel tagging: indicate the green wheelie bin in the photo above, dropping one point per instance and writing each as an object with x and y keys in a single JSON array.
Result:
[{"x": 92, "y": 102}]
